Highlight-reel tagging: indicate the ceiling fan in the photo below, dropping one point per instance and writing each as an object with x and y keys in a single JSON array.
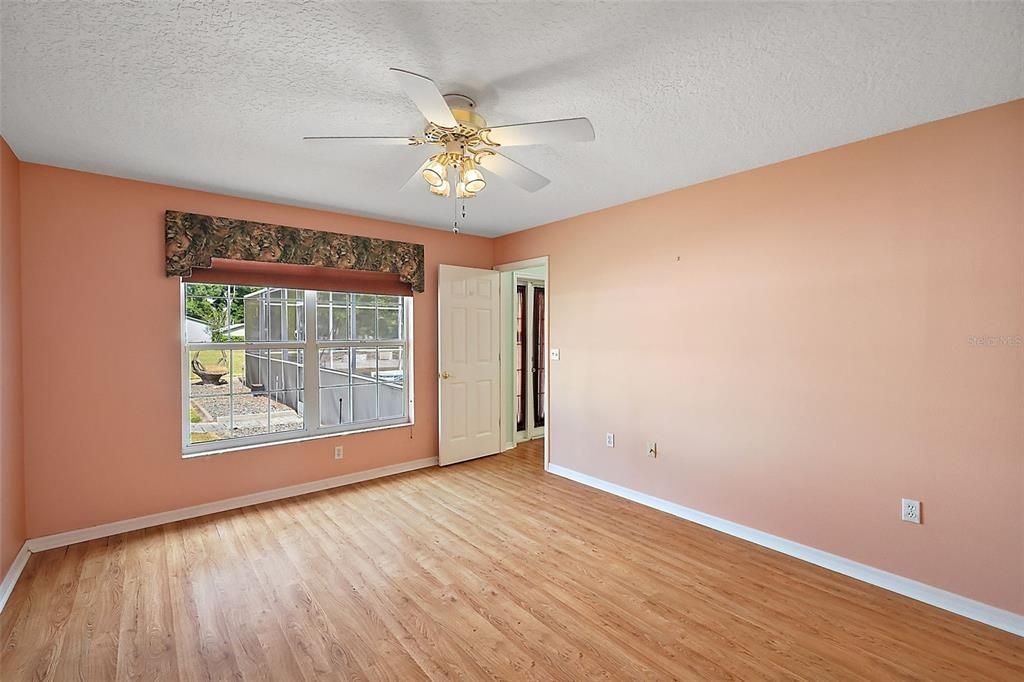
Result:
[{"x": 469, "y": 143}]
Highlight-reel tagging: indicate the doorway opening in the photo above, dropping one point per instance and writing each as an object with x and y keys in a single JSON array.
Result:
[
  {"x": 528, "y": 337},
  {"x": 525, "y": 356}
]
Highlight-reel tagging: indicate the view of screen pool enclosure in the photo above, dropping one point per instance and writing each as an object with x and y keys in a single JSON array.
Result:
[{"x": 246, "y": 351}]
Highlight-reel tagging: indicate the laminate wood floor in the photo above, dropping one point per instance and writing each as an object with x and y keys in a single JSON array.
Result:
[{"x": 491, "y": 569}]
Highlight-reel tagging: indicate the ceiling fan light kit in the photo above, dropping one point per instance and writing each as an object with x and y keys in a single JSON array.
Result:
[
  {"x": 472, "y": 179},
  {"x": 469, "y": 144},
  {"x": 435, "y": 172}
]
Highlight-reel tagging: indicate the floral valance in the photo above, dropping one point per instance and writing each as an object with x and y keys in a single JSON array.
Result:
[{"x": 194, "y": 240}]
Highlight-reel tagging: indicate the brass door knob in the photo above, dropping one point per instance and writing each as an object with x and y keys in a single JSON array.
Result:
[{"x": 445, "y": 375}]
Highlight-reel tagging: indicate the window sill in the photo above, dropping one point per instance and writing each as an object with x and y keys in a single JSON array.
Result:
[{"x": 189, "y": 454}]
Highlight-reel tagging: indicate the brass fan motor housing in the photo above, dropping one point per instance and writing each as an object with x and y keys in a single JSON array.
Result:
[
  {"x": 465, "y": 144},
  {"x": 470, "y": 119}
]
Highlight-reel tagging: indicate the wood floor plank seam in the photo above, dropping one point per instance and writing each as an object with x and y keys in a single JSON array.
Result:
[
  {"x": 618, "y": 596},
  {"x": 786, "y": 568},
  {"x": 648, "y": 556},
  {"x": 370, "y": 566},
  {"x": 478, "y": 580},
  {"x": 490, "y": 569},
  {"x": 519, "y": 578}
]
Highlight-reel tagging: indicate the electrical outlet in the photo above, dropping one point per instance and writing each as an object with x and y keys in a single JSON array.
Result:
[
  {"x": 555, "y": 354},
  {"x": 910, "y": 511},
  {"x": 652, "y": 449},
  {"x": 609, "y": 440},
  {"x": 339, "y": 452}
]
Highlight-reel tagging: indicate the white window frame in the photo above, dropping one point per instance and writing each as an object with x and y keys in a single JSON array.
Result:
[{"x": 311, "y": 382}]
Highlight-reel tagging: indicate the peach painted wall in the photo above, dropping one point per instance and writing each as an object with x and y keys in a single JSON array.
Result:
[
  {"x": 12, "y": 476},
  {"x": 103, "y": 396},
  {"x": 798, "y": 340}
]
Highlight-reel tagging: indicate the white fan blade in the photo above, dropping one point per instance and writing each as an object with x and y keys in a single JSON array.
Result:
[
  {"x": 543, "y": 132},
  {"x": 513, "y": 172},
  {"x": 412, "y": 178},
  {"x": 428, "y": 99},
  {"x": 364, "y": 139}
]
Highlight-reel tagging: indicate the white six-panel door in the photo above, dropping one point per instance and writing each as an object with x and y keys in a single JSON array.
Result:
[{"x": 468, "y": 366}]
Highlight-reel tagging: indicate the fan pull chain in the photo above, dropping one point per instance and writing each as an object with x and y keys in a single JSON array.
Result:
[{"x": 459, "y": 203}]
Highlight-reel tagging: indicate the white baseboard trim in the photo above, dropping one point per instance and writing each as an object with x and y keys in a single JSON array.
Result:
[
  {"x": 107, "y": 529},
  {"x": 969, "y": 608},
  {"x": 13, "y": 573}
]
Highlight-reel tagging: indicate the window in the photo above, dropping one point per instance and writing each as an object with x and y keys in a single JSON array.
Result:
[{"x": 249, "y": 373}]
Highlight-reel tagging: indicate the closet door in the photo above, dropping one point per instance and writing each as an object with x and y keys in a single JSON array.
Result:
[
  {"x": 539, "y": 359},
  {"x": 522, "y": 375}
]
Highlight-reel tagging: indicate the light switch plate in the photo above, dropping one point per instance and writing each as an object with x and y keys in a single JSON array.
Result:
[{"x": 554, "y": 353}]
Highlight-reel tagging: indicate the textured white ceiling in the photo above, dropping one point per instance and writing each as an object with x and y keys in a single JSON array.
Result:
[{"x": 216, "y": 95}]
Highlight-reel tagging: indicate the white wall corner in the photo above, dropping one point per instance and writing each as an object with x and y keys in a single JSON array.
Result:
[{"x": 13, "y": 573}]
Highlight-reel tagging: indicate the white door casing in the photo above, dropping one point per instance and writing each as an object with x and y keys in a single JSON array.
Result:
[{"x": 469, "y": 394}]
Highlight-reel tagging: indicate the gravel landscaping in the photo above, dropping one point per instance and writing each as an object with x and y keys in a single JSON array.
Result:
[{"x": 214, "y": 404}]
